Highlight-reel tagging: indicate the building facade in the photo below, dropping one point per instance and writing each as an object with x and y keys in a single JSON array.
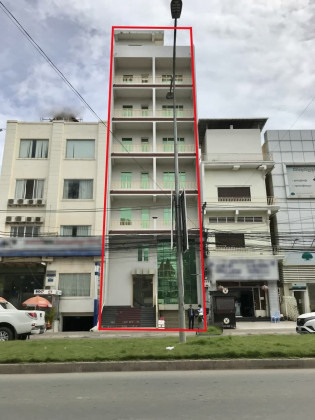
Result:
[
  {"x": 140, "y": 284},
  {"x": 292, "y": 182},
  {"x": 237, "y": 213},
  {"x": 52, "y": 194}
]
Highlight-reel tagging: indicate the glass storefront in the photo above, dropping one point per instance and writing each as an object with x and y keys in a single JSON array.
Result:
[{"x": 167, "y": 274}]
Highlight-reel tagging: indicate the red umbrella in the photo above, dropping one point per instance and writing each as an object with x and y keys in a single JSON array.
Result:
[
  {"x": 2, "y": 300},
  {"x": 39, "y": 301}
]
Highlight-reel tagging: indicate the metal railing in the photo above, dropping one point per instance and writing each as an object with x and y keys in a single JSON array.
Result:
[
  {"x": 147, "y": 148},
  {"x": 270, "y": 201},
  {"x": 150, "y": 224},
  {"x": 150, "y": 185},
  {"x": 148, "y": 113},
  {"x": 137, "y": 79}
]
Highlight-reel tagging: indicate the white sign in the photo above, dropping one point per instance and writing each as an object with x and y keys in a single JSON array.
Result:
[
  {"x": 239, "y": 270},
  {"x": 47, "y": 292},
  {"x": 301, "y": 181}
]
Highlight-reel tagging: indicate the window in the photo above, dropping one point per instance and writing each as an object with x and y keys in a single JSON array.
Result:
[
  {"x": 75, "y": 284},
  {"x": 80, "y": 149},
  {"x": 230, "y": 240},
  {"x": 125, "y": 217},
  {"x": 78, "y": 189},
  {"x": 145, "y": 180},
  {"x": 234, "y": 194},
  {"x": 127, "y": 110},
  {"x": 29, "y": 188},
  {"x": 168, "y": 144},
  {"x": 34, "y": 149},
  {"x": 143, "y": 253},
  {"x": 167, "y": 217},
  {"x": 125, "y": 179},
  {"x": 250, "y": 219},
  {"x": 167, "y": 110},
  {"x": 228, "y": 219},
  {"x": 145, "y": 221},
  {"x": 127, "y": 78},
  {"x": 144, "y": 110},
  {"x": 126, "y": 144},
  {"x": 75, "y": 230},
  {"x": 167, "y": 78},
  {"x": 169, "y": 180},
  {"x": 145, "y": 144},
  {"x": 25, "y": 231}
]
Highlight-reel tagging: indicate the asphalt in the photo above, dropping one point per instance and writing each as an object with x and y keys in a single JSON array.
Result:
[{"x": 242, "y": 328}]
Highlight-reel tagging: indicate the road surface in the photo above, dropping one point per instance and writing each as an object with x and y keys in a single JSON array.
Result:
[{"x": 223, "y": 395}]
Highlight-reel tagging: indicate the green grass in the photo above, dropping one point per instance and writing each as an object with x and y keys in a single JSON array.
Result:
[{"x": 197, "y": 347}]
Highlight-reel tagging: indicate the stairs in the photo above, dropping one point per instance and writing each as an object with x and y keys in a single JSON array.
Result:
[{"x": 128, "y": 317}]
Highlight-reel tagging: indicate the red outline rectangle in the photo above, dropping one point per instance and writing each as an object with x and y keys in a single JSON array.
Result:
[{"x": 106, "y": 178}]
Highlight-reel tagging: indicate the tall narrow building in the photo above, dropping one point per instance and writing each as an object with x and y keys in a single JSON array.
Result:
[{"x": 140, "y": 280}]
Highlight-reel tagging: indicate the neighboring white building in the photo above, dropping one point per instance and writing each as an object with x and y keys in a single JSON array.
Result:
[
  {"x": 141, "y": 269},
  {"x": 52, "y": 195},
  {"x": 237, "y": 214},
  {"x": 293, "y": 183}
]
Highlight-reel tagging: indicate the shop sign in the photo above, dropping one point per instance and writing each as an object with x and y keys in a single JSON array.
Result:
[{"x": 239, "y": 270}]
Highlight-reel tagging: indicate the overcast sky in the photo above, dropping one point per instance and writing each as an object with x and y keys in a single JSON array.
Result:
[{"x": 254, "y": 58}]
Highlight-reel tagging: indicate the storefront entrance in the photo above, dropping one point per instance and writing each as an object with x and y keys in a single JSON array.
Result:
[
  {"x": 250, "y": 299},
  {"x": 142, "y": 290}
]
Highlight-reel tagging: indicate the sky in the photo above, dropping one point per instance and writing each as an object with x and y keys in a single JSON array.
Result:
[{"x": 253, "y": 58}]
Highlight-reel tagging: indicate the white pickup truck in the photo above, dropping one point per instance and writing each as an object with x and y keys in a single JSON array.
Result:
[{"x": 15, "y": 324}]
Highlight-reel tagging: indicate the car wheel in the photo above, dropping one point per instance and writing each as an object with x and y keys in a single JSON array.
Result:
[{"x": 5, "y": 334}]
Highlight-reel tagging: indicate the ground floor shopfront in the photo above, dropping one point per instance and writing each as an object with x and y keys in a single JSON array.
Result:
[{"x": 253, "y": 282}]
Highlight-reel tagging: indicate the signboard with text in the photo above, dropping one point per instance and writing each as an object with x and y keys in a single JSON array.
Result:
[{"x": 300, "y": 181}]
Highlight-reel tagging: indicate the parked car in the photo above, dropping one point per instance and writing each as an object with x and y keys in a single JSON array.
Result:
[
  {"x": 19, "y": 324},
  {"x": 305, "y": 323}
]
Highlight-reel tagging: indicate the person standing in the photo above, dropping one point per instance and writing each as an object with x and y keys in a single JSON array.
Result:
[{"x": 191, "y": 317}]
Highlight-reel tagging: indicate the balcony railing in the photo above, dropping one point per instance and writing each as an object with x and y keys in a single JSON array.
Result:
[
  {"x": 149, "y": 185},
  {"x": 151, "y": 224},
  {"x": 270, "y": 201},
  {"x": 147, "y": 148},
  {"x": 148, "y": 113},
  {"x": 234, "y": 251},
  {"x": 237, "y": 157},
  {"x": 132, "y": 148},
  {"x": 147, "y": 79}
]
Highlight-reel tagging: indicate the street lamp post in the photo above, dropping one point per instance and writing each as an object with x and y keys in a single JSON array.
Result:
[{"x": 176, "y": 8}]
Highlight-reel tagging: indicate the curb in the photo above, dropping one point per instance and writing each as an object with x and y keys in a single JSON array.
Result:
[{"x": 156, "y": 365}]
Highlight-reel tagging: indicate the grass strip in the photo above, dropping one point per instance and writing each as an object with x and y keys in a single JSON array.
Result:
[{"x": 198, "y": 347}]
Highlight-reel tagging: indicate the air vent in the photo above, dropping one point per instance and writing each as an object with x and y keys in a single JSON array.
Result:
[
  {"x": 38, "y": 219},
  {"x": 11, "y": 202},
  {"x": 20, "y": 201},
  {"x": 40, "y": 202},
  {"x": 29, "y": 219},
  {"x": 19, "y": 219},
  {"x": 8, "y": 219},
  {"x": 30, "y": 202}
]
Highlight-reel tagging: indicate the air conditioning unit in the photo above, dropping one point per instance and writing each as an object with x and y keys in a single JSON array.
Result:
[
  {"x": 40, "y": 202},
  {"x": 39, "y": 219},
  {"x": 19, "y": 219},
  {"x": 8, "y": 219},
  {"x": 30, "y": 202},
  {"x": 20, "y": 201},
  {"x": 29, "y": 219},
  {"x": 10, "y": 202}
]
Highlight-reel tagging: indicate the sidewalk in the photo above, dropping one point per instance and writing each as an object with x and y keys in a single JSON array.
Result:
[{"x": 242, "y": 328}]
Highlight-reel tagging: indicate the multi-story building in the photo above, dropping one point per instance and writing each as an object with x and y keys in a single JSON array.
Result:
[
  {"x": 237, "y": 214},
  {"x": 292, "y": 182},
  {"x": 141, "y": 272},
  {"x": 52, "y": 195}
]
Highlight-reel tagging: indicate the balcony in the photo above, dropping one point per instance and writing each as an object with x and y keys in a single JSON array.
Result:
[
  {"x": 158, "y": 187},
  {"x": 144, "y": 79},
  {"x": 147, "y": 225},
  {"x": 225, "y": 251},
  {"x": 147, "y": 148},
  {"x": 269, "y": 201},
  {"x": 134, "y": 113},
  {"x": 236, "y": 161}
]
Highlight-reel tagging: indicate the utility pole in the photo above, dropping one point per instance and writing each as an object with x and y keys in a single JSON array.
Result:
[{"x": 176, "y": 7}]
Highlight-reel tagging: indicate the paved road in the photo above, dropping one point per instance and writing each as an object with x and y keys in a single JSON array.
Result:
[{"x": 222, "y": 395}]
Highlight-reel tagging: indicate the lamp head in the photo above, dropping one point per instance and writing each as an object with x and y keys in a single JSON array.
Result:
[
  {"x": 170, "y": 95},
  {"x": 176, "y": 8}
]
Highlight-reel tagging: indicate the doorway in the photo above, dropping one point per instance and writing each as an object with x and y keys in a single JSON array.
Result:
[{"x": 142, "y": 291}]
